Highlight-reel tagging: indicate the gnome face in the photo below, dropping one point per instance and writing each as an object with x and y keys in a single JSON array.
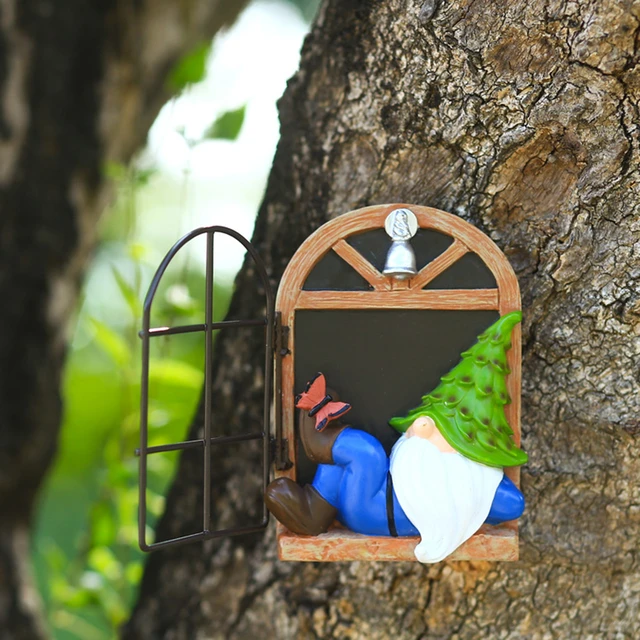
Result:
[
  {"x": 446, "y": 496},
  {"x": 425, "y": 427}
]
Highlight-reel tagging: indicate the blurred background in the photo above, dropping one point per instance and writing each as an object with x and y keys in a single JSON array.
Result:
[{"x": 206, "y": 162}]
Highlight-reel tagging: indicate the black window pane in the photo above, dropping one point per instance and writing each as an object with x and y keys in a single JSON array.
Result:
[{"x": 469, "y": 272}]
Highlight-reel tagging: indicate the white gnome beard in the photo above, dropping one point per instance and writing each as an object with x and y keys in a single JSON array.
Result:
[{"x": 446, "y": 496}]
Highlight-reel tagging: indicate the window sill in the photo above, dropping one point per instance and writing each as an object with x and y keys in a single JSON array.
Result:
[{"x": 493, "y": 543}]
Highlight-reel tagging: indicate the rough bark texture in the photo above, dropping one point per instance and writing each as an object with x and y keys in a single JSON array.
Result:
[
  {"x": 80, "y": 84},
  {"x": 521, "y": 117}
]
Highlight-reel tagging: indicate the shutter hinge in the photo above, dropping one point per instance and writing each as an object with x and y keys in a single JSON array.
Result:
[{"x": 279, "y": 444}]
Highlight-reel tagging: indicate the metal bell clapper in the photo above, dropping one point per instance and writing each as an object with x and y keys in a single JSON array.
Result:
[{"x": 401, "y": 225}]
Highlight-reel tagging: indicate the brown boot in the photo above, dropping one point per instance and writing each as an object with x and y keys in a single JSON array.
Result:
[
  {"x": 300, "y": 509},
  {"x": 318, "y": 444}
]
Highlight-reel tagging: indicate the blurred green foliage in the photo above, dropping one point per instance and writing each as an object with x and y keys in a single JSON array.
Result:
[
  {"x": 86, "y": 555},
  {"x": 190, "y": 69}
]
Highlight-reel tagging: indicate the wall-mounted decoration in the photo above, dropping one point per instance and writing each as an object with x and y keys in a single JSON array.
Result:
[{"x": 412, "y": 316}]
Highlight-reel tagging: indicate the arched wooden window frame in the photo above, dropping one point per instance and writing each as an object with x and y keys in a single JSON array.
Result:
[{"x": 490, "y": 543}]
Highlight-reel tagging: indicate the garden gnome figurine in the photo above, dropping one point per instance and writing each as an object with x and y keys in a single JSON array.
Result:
[{"x": 444, "y": 477}]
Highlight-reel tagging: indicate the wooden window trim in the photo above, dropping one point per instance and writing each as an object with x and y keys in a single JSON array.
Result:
[
  {"x": 490, "y": 543},
  {"x": 353, "y": 258},
  {"x": 443, "y": 299}
]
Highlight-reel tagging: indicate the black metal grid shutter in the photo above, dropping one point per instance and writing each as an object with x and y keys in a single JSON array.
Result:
[{"x": 207, "y": 441}]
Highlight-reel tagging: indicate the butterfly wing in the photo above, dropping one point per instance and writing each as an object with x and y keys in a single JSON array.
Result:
[
  {"x": 314, "y": 393},
  {"x": 329, "y": 412}
]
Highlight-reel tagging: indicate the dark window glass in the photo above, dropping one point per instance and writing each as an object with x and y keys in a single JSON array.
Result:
[
  {"x": 332, "y": 273},
  {"x": 469, "y": 272},
  {"x": 380, "y": 361}
]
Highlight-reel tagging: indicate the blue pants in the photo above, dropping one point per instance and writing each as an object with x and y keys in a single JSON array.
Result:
[{"x": 356, "y": 485}]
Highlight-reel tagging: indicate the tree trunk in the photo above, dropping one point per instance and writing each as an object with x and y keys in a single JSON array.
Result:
[
  {"x": 80, "y": 84},
  {"x": 520, "y": 117}
]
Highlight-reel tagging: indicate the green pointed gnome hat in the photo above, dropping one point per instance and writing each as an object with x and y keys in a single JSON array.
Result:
[{"x": 468, "y": 404}]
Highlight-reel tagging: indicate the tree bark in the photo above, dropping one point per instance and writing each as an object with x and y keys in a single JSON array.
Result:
[
  {"x": 521, "y": 117},
  {"x": 80, "y": 84}
]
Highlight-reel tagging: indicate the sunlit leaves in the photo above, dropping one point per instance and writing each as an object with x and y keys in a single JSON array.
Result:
[
  {"x": 179, "y": 299},
  {"x": 103, "y": 560},
  {"x": 112, "y": 343},
  {"x": 133, "y": 573},
  {"x": 103, "y": 524},
  {"x": 176, "y": 373},
  {"x": 129, "y": 295},
  {"x": 96, "y": 587}
]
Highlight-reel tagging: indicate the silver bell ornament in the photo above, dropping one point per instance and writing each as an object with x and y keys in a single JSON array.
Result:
[{"x": 401, "y": 225}]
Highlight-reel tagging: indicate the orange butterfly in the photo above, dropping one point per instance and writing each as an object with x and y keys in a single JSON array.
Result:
[{"x": 319, "y": 403}]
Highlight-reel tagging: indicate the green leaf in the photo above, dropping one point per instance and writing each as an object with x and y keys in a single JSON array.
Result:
[
  {"x": 226, "y": 126},
  {"x": 128, "y": 293},
  {"x": 191, "y": 68},
  {"x": 111, "y": 343},
  {"x": 103, "y": 525},
  {"x": 103, "y": 560},
  {"x": 80, "y": 599},
  {"x": 54, "y": 557},
  {"x": 133, "y": 573}
]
